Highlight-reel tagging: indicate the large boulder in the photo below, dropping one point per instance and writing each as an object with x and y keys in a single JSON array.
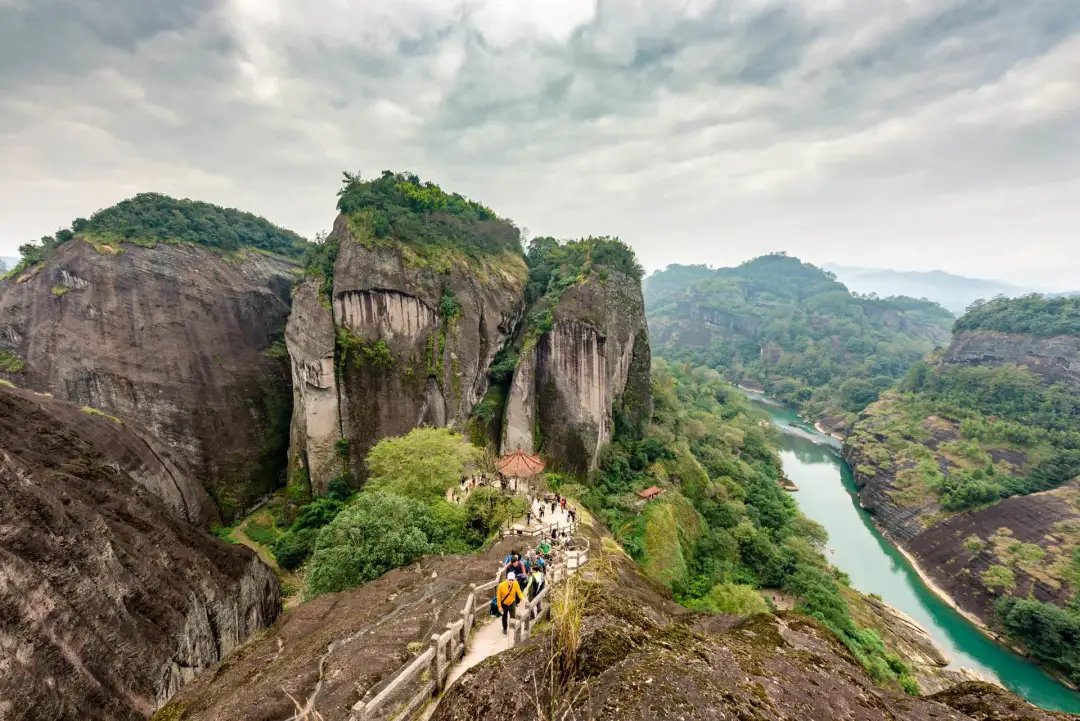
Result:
[
  {"x": 176, "y": 340},
  {"x": 413, "y": 340}
]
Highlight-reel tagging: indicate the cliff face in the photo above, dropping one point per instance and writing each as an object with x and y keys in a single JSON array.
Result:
[
  {"x": 413, "y": 337},
  {"x": 1055, "y": 359},
  {"x": 108, "y": 601},
  {"x": 576, "y": 379},
  {"x": 173, "y": 340}
]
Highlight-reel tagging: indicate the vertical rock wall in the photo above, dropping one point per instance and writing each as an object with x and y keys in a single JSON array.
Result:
[
  {"x": 173, "y": 340},
  {"x": 413, "y": 338},
  {"x": 576, "y": 379}
]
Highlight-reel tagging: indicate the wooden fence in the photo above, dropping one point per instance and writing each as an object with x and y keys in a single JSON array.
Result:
[{"x": 432, "y": 666}]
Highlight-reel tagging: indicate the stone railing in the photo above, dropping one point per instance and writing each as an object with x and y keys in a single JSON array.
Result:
[{"x": 431, "y": 668}]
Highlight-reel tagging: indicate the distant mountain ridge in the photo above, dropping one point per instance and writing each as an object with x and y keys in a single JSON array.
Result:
[{"x": 954, "y": 292}]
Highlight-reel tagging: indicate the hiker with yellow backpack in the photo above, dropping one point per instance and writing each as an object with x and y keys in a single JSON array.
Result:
[{"x": 507, "y": 595}]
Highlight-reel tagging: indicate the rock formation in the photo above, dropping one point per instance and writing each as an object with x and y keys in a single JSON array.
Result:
[
  {"x": 573, "y": 380},
  {"x": 108, "y": 601},
  {"x": 402, "y": 341},
  {"x": 172, "y": 339},
  {"x": 1056, "y": 359}
]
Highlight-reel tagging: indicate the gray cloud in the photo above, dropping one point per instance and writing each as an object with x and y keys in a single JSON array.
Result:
[{"x": 914, "y": 134}]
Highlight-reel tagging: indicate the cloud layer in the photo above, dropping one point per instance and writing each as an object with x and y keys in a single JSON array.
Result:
[{"x": 894, "y": 133}]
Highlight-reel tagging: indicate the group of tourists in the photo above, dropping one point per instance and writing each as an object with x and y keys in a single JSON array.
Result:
[{"x": 523, "y": 579}]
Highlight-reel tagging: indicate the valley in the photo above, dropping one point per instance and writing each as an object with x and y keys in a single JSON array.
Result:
[{"x": 186, "y": 368}]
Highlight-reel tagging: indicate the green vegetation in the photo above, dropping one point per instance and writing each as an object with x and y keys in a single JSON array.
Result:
[
  {"x": 988, "y": 412},
  {"x": 402, "y": 207},
  {"x": 423, "y": 465},
  {"x": 11, "y": 363},
  {"x": 102, "y": 414},
  {"x": 792, "y": 328},
  {"x": 151, "y": 218},
  {"x": 724, "y": 527},
  {"x": 1050, "y": 633},
  {"x": 1032, "y": 314}
]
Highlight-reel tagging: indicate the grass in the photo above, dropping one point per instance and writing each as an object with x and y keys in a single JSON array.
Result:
[
  {"x": 96, "y": 412},
  {"x": 60, "y": 290},
  {"x": 11, "y": 363},
  {"x": 262, "y": 533}
]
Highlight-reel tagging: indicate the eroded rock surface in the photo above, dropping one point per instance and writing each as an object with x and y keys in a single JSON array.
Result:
[
  {"x": 589, "y": 370},
  {"x": 173, "y": 340},
  {"x": 108, "y": 601},
  {"x": 414, "y": 336},
  {"x": 358, "y": 637},
  {"x": 1055, "y": 359}
]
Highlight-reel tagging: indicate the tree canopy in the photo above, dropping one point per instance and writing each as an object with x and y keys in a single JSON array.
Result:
[
  {"x": 1031, "y": 314},
  {"x": 152, "y": 218},
  {"x": 423, "y": 464},
  {"x": 403, "y": 207},
  {"x": 793, "y": 328}
]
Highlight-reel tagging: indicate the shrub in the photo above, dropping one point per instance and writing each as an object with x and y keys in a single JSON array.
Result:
[
  {"x": 423, "y": 464},
  {"x": 293, "y": 547},
  {"x": 731, "y": 598},
  {"x": 998, "y": 578}
]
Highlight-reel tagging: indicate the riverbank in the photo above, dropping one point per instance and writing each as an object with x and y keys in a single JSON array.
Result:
[
  {"x": 826, "y": 432},
  {"x": 974, "y": 620}
]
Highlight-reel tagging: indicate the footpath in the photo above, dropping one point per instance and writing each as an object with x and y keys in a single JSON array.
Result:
[{"x": 476, "y": 635}]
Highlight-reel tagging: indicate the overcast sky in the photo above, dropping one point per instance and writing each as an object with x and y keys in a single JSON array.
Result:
[{"x": 911, "y": 134}]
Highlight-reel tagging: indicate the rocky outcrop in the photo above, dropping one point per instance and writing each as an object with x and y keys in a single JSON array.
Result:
[
  {"x": 174, "y": 341},
  {"x": 332, "y": 650},
  {"x": 414, "y": 336},
  {"x": 589, "y": 371},
  {"x": 316, "y": 421},
  {"x": 637, "y": 656},
  {"x": 108, "y": 601},
  {"x": 1055, "y": 359}
]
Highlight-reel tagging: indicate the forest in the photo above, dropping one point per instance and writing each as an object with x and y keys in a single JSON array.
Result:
[
  {"x": 1032, "y": 314},
  {"x": 792, "y": 328},
  {"x": 403, "y": 207},
  {"x": 150, "y": 218}
]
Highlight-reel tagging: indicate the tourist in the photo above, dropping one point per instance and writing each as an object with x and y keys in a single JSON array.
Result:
[
  {"x": 541, "y": 510},
  {"x": 507, "y": 595},
  {"x": 517, "y": 568},
  {"x": 512, "y": 555},
  {"x": 534, "y": 587},
  {"x": 544, "y": 548}
]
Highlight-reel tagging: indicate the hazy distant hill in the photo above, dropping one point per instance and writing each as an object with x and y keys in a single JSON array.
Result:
[
  {"x": 955, "y": 292},
  {"x": 8, "y": 261}
]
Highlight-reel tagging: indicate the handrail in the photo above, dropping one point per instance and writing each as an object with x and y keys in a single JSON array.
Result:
[{"x": 447, "y": 648}]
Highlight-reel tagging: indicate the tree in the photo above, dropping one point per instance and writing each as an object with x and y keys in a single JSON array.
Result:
[
  {"x": 423, "y": 464},
  {"x": 375, "y": 534}
]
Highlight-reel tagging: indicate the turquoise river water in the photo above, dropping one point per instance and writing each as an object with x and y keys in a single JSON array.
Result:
[{"x": 827, "y": 494}]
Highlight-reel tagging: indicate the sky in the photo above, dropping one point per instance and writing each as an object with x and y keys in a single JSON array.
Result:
[{"x": 908, "y": 134}]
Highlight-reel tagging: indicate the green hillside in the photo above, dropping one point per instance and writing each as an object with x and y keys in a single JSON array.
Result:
[
  {"x": 150, "y": 218},
  {"x": 792, "y": 328}
]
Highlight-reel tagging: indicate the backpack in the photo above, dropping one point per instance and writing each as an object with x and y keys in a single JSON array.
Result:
[{"x": 494, "y": 608}]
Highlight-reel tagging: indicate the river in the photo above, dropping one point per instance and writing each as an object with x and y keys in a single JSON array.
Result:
[{"x": 828, "y": 495}]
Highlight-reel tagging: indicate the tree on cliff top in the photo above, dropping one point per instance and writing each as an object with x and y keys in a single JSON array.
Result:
[
  {"x": 554, "y": 266},
  {"x": 152, "y": 217},
  {"x": 1031, "y": 314},
  {"x": 403, "y": 207}
]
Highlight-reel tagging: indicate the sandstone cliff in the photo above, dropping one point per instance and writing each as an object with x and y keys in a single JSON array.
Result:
[
  {"x": 1056, "y": 359},
  {"x": 406, "y": 340},
  {"x": 172, "y": 339},
  {"x": 590, "y": 368},
  {"x": 108, "y": 602}
]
